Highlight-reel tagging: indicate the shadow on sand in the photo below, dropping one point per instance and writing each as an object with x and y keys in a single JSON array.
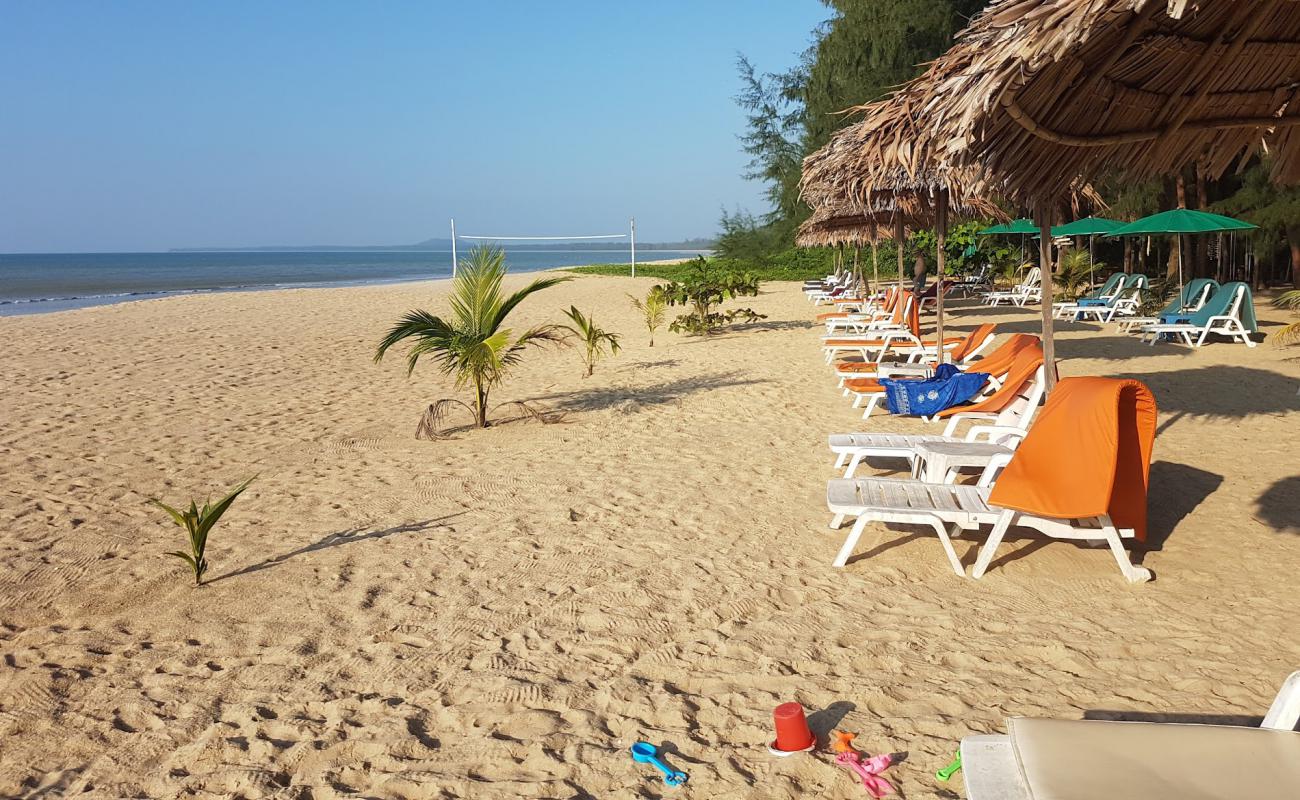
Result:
[
  {"x": 1219, "y": 392},
  {"x": 633, "y": 398},
  {"x": 340, "y": 538},
  {"x": 1279, "y": 505}
]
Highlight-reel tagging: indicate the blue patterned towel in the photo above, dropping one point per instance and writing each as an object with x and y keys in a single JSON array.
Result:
[{"x": 947, "y": 388}]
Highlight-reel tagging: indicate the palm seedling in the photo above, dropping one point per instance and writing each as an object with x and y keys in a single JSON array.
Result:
[
  {"x": 654, "y": 308},
  {"x": 198, "y": 523},
  {"x": 596, "y": 342},
  {"x": 472, "y": 345}
]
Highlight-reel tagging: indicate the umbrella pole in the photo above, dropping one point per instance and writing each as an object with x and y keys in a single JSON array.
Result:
[
  {"x": 1180, "y": 268},
  {"x": 1091, "y": 260},
  {"x": 941, "y": 232},
  {"x": 898, "y": 240},
  {"x": 875, "y": 261},
  {"x": 1045, "y": 268}
]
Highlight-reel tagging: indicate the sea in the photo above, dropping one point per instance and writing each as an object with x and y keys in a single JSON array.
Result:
[{"x": 43, "y": 282}]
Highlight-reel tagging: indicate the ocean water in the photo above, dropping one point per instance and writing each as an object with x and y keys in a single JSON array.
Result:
[{"x": 37, "y": 283}]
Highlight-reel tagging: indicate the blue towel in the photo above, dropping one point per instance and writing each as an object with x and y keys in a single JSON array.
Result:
[
  {"x": 947, "y": 388},
  {"x": 1090, "y": 301}
]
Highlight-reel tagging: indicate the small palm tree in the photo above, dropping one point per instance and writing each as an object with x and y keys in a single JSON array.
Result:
[
  {"x": 654, "y": 309},
  {"x": 1074, "y": 272},
  {"x": 472, "y": 346},
  {"x": 198, "y": 524},
  {"x": 1291, "y": 333},
  {"x": 595, "y": 341}
]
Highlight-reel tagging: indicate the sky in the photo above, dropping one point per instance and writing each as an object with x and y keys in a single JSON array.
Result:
[{"x": 137, "y": 126}]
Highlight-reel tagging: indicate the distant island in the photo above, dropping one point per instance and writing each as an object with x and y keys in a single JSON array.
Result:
[{"x": 444, "y": 246}]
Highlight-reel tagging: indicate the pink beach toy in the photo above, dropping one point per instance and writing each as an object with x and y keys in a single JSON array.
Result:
[{"x": 868, "y": 770}]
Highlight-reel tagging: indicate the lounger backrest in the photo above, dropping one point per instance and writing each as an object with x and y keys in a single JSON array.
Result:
[
  {"x": 1229, "y": 301},
  {"x": 999, "y": 361},
  {"x": 972, "y": 343},
  {"x": 1087, "y": 455},
  {"x": 1028, "y": 398},
  {"x": 1032, "y": 278},
  {"x": 1110, "y": 288}
]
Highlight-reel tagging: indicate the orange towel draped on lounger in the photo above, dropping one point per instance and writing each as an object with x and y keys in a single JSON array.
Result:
[{"x": 1088, "y": 454}]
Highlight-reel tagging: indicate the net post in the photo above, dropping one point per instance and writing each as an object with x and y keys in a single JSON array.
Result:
[
  {"x": 633, "y": 234},
  {"x": 453, "y": 247}
]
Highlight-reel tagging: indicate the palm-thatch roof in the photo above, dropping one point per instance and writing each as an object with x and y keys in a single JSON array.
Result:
[
  {"x": 835, "y": 225},
  {"x": 1037, "y": 94}
]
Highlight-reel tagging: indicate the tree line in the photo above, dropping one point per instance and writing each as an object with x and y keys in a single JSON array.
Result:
[{"x": 866, "y": 49}]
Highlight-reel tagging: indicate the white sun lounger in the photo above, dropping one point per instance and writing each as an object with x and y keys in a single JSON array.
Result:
[
  {"x": 1228, "y": 324},
  {"x": 1029, "y": 290},
  {"x": 1006, "y": 428},
  {"x": 1068, "y": 759},
  {"x": 950, "y": 509},
  {"x": 1130, "y": 324}
]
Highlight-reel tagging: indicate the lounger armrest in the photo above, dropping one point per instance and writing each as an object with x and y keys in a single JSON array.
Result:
[
  {"x": 991, "y": 470},
  {"x": 950, "y": 429},
  {"x": 990, "y": 431},
  {"x": 1284, "y": 714}
]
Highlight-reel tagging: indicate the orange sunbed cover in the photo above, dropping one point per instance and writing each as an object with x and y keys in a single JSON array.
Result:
[
  {"x": 972, "y": 340},
  {"x": 1089, "y": 453},
  {"x": 913, "y": 323},
  {"x": 999, "y": 361},
  {"x": 1022, "y": 370}
]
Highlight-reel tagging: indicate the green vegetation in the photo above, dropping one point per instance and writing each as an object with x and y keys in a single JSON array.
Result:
[
  {"x": 705, "y": 286},
  {"x": 473, "y": 346},
  {"x": 869, "y": 47},
  {"x": 198, "y": 524},
  {"x": 596, "y": 343},
  {"x": 654, "y": 308},
  {"x": 1291, "y": 333},
  {"x": 1075, "y": 270}
]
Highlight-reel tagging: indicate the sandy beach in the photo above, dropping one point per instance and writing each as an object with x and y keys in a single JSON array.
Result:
[{"x": 503, "y": 613}]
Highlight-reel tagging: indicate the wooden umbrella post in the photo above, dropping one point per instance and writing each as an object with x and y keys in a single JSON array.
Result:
[
  {"x": 875, "y": 261},
  {"x": 940, "y": 235},
  {"x": 898, "y": 240},
  {"x": 1045, "y": 268}
]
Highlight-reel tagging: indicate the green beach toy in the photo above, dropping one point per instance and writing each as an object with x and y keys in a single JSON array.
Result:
[{"x": 950, "y": 770}]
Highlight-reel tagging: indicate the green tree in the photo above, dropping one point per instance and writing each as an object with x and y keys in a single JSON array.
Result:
[
  {"x": 705, "y": 288},
  {"x": 866, "y": 49},
  {"x": 1276, "y": 210},
  {"x": 473, "y": 346}
]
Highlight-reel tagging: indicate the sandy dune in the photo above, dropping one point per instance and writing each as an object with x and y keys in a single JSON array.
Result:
[{"x": 501, "y": 615}]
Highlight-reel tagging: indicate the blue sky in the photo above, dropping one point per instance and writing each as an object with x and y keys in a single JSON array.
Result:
[{"x": 149, "y": 125}]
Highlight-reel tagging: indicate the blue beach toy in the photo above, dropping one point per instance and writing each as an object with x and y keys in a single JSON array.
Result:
[{"x": 646, "y": 753}]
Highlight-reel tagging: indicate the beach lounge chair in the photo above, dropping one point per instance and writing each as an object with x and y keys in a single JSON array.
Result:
[
  {"x": 1028, "y": 290},
  {"x": 1086, "y": 759},
  {"x": 931, "y": 293},
  {"x": 1080, "y": 473},
  {"x": 1111, "y": 289},
  {"x": 960, "y": 350},
  {"x": 1001, "y": 389},
  {"x": 1125, "y": 302},
  {"x": 903, "y": 326},
  {"x": 1193, "y": 296},
  {"x": 1005, "y": 428},
  {"x": 875, "y": 310},
  {"x": 1230, "y": 312}
]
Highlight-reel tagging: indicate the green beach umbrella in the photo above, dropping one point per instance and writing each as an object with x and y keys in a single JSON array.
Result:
[
  {"x": 1180, "y": 221},
  {"x": 1090, "y": 227},
  {"x": 1020, "y": 226}
]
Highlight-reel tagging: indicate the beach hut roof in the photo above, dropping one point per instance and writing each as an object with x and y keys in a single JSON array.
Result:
[{"x": 1040, "y": 93}]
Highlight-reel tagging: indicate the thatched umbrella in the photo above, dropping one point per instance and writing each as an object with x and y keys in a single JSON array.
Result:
[
  {"x": 914, "y": 195},
  {"x": 1041, "y": 95}
]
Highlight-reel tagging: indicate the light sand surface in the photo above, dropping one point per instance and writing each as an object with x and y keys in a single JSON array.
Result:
[{"x": 503, "y": 614}]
